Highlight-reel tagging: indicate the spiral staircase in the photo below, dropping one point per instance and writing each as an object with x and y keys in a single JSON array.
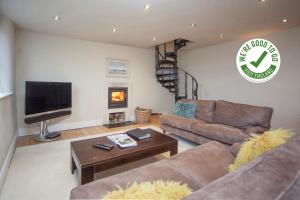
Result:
[{"x": 172, "y": 77}]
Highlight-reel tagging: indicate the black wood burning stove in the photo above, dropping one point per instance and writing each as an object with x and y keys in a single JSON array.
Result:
[{"x": 117, "y": 97}]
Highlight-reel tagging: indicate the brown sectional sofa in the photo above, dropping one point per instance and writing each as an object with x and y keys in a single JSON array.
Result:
[
  {"x": 222, "y": 121},
  {"x": 275, "y": 175}
]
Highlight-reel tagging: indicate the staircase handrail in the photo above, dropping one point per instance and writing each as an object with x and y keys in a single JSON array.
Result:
[{"x": 193, "y": 79}]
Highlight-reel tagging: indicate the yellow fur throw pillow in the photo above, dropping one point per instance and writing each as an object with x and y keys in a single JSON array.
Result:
[
  {"x": 257, "y": 145},
  {"x": 147, "y": 190}
]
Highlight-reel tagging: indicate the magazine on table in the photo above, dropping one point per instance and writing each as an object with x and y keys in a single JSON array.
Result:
[{"x": 123, "y": 140}]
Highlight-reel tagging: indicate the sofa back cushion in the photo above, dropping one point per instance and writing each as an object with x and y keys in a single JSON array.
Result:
[
  {"x": 241, "y": 115},
  {"x": 205, "y": 109},
  {"x": 275, "y": 175}
]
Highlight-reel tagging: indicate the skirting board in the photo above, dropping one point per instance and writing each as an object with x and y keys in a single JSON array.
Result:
[
  {"x": 61, "y": 127},
  {"x": 7, "y": 161}
]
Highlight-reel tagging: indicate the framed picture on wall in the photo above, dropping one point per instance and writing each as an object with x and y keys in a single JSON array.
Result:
[{"x": 117, "y": 68}]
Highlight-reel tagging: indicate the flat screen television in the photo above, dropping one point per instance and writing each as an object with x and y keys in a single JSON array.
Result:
[{"x": 43, "y": 97}]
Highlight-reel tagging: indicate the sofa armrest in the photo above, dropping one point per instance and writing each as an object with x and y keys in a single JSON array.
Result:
[{"x": 255, "y": 129}]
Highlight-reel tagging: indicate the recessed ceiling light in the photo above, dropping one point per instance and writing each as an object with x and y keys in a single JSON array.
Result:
[
  {"x": 284, "y": 20},
  {"x": 261, "y": 1},
  {"x": 56, "y": 18},
  {"x": 147, "y": 6},
  {"x": 114, "y": 30},
  {"x": 154, "y": 39},
  {"x": 221, "y": 35},
  {"x": 193, "y": 24}
]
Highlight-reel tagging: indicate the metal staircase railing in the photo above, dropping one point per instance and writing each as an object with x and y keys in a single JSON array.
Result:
[{"x": 193, "y": 84}]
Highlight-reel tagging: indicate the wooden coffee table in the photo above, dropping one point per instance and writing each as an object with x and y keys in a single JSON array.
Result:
[{"x": 89, "y": 160}]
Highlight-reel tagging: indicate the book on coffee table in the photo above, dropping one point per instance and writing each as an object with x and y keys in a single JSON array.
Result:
[
  {"x": 139, "y": 133},
  {"x": 123, "y": 140}
]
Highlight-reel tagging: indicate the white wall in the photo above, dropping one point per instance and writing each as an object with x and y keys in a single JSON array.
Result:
[
  {"x": 7, "y": 103},
  {"x": 7, "y": 60},
  {"x": 7, "y": 38},
  {"x": 215, "y": 69},
  {"x": 49, "y": 58}
]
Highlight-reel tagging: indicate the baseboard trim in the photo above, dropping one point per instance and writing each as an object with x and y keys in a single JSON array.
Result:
[
  {"x": 61, "y": 127},
  {"x": 7, "y": 161}
]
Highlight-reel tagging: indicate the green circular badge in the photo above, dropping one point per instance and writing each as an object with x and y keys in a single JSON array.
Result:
[{"x": 258, "y": 60}]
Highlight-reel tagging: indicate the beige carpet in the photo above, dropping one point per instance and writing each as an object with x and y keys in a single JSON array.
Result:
[{"x": 42, "y": 172}]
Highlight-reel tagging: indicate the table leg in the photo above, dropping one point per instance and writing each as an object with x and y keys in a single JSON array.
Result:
[
  {"x": 174, "y": 150},
  {"x": 73, "y": 165},
  {"x": 87, "y": 175}
]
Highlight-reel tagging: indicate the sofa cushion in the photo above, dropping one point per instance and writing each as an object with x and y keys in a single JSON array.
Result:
[
  {"x": 204, "y": 163},
  {"x": 241, "y": 115},
  {"x": 194, "y": 138},
  {"x": 179, "y": 122},
  {"x": 219, "y": 132},
  {"x": 275, "y": 175},
  {"x": 205, "y": 109}
]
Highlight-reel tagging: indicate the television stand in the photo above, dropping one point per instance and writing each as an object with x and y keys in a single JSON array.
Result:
[{"x": 45, "y": 135}]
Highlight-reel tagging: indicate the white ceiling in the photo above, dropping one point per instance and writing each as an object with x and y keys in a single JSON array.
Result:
[{"x": 166, "y": 20}]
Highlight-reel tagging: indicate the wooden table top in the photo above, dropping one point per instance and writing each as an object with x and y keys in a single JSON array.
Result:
[{"x": 89, "y": 155}]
